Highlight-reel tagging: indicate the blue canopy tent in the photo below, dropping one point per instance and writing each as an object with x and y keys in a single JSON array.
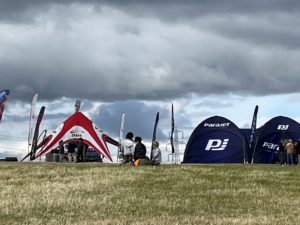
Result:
[
  {"x": 266, "y": 149},
  {"x": 216, "y": 140}
]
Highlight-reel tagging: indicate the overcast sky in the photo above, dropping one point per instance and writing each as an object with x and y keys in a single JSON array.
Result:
[{"x": 208, "y": 57}]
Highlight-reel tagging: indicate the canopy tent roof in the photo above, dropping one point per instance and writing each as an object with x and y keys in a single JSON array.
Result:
[
  {"x": 216, "y": 140},
  {"x": 269, "y": 136},
  {"x": 75, "y": 127}
]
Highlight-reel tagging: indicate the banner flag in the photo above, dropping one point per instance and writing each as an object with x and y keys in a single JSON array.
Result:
[
  {"x": 253, "y": 127},
  {"x": 121, "y": 136},
  {"x": 172, "y": 130},
  {"x": 154, "y": 133},
  {"x": 3, "y": 98},
  {"x": 32, "y": 118},
  {"x": 36, "y": 133},
  {"x": 253, "y": 130}
]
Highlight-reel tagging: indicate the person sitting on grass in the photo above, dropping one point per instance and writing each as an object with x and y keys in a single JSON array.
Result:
[
  {"x": 156, "y": 153},
  {"x": 128, "y": 148},
  {"x": 140, "y": 157}
]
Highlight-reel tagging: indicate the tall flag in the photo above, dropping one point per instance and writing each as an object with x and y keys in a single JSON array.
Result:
[
  {"x": 32, "y": 118},
  {"x": 121, "y": 136},
  {"x": 253, "y": 127},
  {"x": 36, "y": 133},
  {"x": 172, "y": 130},
  {"x": 3, "y": 98},
  {"x": 154, "y": 133},
  {"x": 253, "y": 130}
]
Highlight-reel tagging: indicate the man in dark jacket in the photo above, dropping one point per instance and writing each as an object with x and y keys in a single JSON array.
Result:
[
  {"x": 61, "y": 150},
  {"x": 71, "y": 151},
  {"x": 140, "y": 157},
  {"x": 140, "y": 149},
  {"x": 81, "y": 148}
]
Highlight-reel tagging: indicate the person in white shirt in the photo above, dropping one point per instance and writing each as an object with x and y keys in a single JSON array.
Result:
[{"x": 128, "y": 149}]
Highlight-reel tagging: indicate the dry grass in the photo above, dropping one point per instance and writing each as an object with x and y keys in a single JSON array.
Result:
[{"x": 174, "y": 194}]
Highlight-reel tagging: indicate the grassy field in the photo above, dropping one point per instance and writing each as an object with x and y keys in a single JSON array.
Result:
[{"x": 170, "y": 194}]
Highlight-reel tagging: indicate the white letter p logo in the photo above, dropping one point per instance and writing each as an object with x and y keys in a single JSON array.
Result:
[{"x": 216, "y": 145}]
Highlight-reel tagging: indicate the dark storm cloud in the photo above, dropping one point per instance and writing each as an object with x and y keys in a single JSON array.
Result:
[
  {"x": 168, "y": 9},
  {"x": 148, "y": 50},
  {"x": 139, "y": 119}
]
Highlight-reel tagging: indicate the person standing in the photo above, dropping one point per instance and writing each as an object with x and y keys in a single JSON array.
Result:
[
  {"x": 61, "y": 151},
  {"x": 290, "y": 150},
  {"x": 128, "y": 148},
  {"x": 297, "y": 152},
  {"x": 80, "y": 150},
  {"x": 71, "y": 151},
  {"x": 156, "y": 153},
  {"x": 282, "y": 152}
]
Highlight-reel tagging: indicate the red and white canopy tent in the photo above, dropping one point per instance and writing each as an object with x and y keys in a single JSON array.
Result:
[{"x": 75, "y": 127}]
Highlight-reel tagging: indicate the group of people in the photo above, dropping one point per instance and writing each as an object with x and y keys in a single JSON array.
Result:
[
  {"x": 289, "y": 151},
  {"x": 75, "y": 150},
  {"x": 134, "y": 151}
]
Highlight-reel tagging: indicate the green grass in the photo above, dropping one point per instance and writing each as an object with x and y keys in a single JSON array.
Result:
[{"x": 170, "y": 194}]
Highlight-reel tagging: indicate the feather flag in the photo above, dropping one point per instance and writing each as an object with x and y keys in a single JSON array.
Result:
[
  {"x": 3, "y": 98},
  {"x": 253, "y": 130},
  {"x": 35, "y": 136},
  {"x": 172, "y": 130},
  {"x": 121, "y": 136},
  {"x": 36, "y": 133},
  {"x": 154, "y": 133},
  {"x": 253, "y": 127},
  {"x": 32, "y": 118}
]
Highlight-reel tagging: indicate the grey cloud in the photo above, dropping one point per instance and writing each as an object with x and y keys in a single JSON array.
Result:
[
  {"x": 167, "y": 9},
  {"x": 213, "y": 104},
  {"x": 16, "y": 118},
  {"x": 227, "y": 49},
  {"x": 139, "y": 119},
  {"x": 57, "y": 116},
  {"x": 269, "y": 29},
  {"x": 126, "y": 28}
]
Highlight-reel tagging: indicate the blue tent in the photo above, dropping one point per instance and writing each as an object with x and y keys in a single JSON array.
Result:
[
  {"x": 246, "y": 132},
  {"x": 268, "y": 138},
  {"x": 216, "y": 140}
]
